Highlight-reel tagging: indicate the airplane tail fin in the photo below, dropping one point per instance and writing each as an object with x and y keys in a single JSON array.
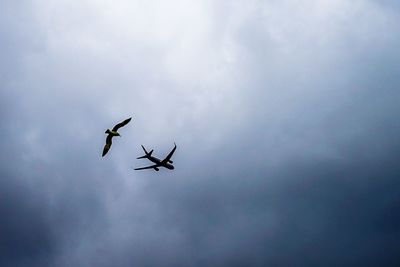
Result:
[{"x": 148, "y": 154}]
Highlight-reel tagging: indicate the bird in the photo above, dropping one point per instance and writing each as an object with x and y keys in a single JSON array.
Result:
[{"x": 112, "y": 133}]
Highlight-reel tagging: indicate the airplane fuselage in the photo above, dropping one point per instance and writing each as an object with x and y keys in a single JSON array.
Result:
[{"x": 159, "y": 162}]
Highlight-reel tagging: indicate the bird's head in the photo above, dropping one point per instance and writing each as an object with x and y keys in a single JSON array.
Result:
[{"x": 118, "y": 135}]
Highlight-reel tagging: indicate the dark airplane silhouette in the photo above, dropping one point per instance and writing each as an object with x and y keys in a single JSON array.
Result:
[
  {"x": 112, "y": 133},
  {"x": 166, "y": 163}
]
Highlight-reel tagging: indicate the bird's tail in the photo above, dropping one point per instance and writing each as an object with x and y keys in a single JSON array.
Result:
[{"x": 148, "y": 154}]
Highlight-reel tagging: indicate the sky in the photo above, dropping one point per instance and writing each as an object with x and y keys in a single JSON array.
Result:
[{"x": 285, "y": 115}]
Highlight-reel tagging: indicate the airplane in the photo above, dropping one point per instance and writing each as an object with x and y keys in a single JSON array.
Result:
[{"x": 166, "y": 163}]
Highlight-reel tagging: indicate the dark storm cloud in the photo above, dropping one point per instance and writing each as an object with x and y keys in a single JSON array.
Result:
[
  {"x": 25, "y": 239},
  {"x": 287, "y": 134}
]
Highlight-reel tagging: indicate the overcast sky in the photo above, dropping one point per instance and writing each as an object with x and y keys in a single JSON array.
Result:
[{"x": 285, "y": 114}]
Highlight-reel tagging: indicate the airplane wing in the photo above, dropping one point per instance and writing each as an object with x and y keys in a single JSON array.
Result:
[
  {"x": 148, "y": 167},
  {"x": 169, "y": 155}
]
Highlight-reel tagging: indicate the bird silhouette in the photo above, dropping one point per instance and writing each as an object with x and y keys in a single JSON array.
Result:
[{"x": 112, "y": 133}]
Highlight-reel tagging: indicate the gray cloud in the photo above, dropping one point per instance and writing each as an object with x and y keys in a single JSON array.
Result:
[{"x": 284, "y": 115}]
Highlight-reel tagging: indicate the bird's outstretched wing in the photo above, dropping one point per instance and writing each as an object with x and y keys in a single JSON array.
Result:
[
  {"x": 107, "y": 146},
  {"x": 148, "y": 167},
  {"x": 168, "y": 157},
  {"x": 121, "y": 124}
]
